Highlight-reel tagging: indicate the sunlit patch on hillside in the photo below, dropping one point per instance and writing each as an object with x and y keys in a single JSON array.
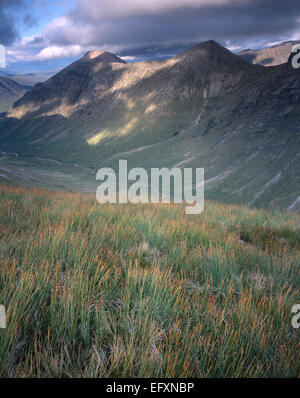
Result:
[
  {"x": 98, "y": 137},
  {"x": 132, "y": 74},
  {"x": 124, "y": 130},
  {"x": 48, "y": 108},
  {"x": 129, "y": 126},
  {"x": 65, "y": 109},
  {"x": 129, "y": 102},
  {"x": 151, "y": 108},
  {"x": 24, "y": 110}
]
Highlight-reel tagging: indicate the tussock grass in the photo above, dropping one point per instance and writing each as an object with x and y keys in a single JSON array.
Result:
[{"x": 140, "y": 290}]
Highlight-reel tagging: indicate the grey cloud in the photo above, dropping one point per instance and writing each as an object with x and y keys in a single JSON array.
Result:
[
  {"x": 8, "y": 32},
  {"x": 163, "y": 30},
  {"x": 29, "y": 20},
  {"x": 10, "y": 18},
  {"x": 143, "y": 29}
]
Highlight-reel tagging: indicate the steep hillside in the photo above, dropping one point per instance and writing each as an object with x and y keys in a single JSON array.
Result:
[
  {"x": 206, "y": 107},
  {"x": 271, "y": 56}
]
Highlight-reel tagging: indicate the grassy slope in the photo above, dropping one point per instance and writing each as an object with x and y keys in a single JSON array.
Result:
[{"x": 145, "y": 290}]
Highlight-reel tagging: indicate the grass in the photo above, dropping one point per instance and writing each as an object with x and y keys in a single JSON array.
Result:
[{"x": 96, "y": 290}]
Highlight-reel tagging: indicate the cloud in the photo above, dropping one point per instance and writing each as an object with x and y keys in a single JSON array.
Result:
[
  {"x": 57, "y": 52},
  {"x": 138, "y": 29},
  {"x": 8, "y": 31},
  {"x": 154, "y": 27},
  {"x": 96, "y": 10},
  {"x": 32, "y": 49},
  {"x": 13, "y": 15}
]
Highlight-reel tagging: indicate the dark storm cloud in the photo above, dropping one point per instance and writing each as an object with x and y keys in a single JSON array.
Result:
[
  {"x": 141, "y": 28},
  {"x": 8, "y": 32},
  {"x": 12, "y": 16}
]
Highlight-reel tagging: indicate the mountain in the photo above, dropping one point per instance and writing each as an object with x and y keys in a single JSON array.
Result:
[
  {"x": 9, "y": 92},
  {"x": 206, "y": 107},
  {"x": 29, "y": 80},
  {"x": 270, "y": 56}
]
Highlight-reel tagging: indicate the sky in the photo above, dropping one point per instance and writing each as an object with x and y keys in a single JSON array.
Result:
[{"x": 50, "y": 34}]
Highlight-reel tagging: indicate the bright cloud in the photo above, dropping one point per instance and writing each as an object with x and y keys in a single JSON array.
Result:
[{"x": 57, "y": 52}]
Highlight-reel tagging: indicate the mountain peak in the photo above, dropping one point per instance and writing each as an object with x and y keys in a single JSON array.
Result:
[
  {"x": 210, "y": 44},
  {"x": 213, "y": 55},
  {"x": 102, "y": 56}
]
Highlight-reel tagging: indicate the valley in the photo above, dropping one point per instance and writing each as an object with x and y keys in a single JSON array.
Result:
[{"x": 204, "y": 108}]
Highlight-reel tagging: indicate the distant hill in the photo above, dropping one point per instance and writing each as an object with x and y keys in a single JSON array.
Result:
[
  {"x": 13, "y": 85},
  {"x": 10, "y": 91},
  {"x": 270, "y": 56},
  {"x": 30, "y": 79},
  {"x": 206, "y": 107}
]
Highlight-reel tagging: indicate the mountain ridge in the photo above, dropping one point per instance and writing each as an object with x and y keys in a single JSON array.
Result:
[
  {"x": 209, "y": 55},
  {"x": 206, "y": 107},
  {"x": 269, "y": 56}
]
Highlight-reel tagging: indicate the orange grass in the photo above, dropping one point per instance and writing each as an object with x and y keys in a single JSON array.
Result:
[{"x": 96, "y": 290}]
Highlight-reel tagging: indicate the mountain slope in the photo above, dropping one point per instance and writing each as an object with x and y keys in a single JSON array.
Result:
[
  {"x": 270, "y": 56},
  {"x": 10, "y": 91},
  {"x": 204, "y": 108}
]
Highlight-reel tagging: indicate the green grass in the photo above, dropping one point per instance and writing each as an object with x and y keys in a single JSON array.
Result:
[{"x": 96, "y": 290}]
